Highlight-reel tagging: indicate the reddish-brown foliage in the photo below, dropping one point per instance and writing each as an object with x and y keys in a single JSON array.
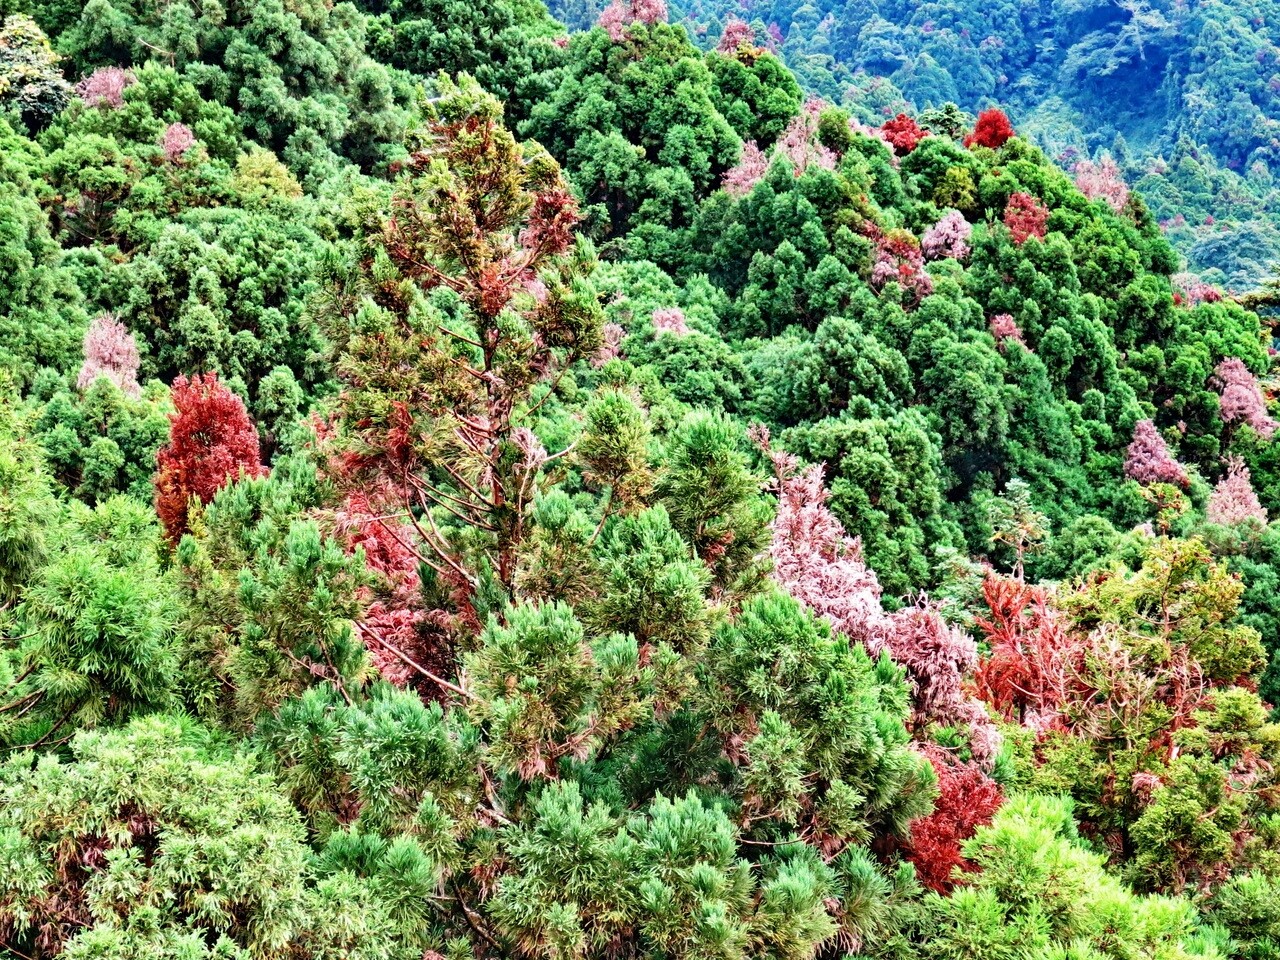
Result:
[
  {"x": 967, "y": 799},
  {"x": 212, "y": 441},
  {"x": 1028, "y": 673}
]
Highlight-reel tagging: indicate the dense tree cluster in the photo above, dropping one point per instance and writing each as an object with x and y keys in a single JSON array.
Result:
[
  {"x": 1181, "y": 99},
  {"x": 473, "y": 489}
]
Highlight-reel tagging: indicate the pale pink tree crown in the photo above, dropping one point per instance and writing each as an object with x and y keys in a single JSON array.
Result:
[
  {"x": 670, "y": 320},
  {"x": 1233, "y": 499},
  {"x": 110, "y": 351},
  {"x": 1004, "y": 327},
  {"x": 1102, "y": 181},
  {"x": 750, "y": 170},
  {"x": 736, "y": 34},
  {"x": 610, "y": 344},
  {"x": 105, "y": 87},
  {"x": 1148, "y": 459},
  {"x": 820, "y": 565},
  {"x": 1242, "y": 400},
  {"x": 176, "y": 140},
  {"x": 948, "y": 238},
  {"x": 621, "y": 14}
]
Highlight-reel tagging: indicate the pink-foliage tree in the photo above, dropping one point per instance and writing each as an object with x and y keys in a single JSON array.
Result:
[
  {"x": 819, "y": 564},
  {"x": 814, "y": 560},
  {"x": 900, "y": 260},
  {"x": 1233, "y": 500},
  {"x": 1190, "y": 290},
  {"x": 1025, "y": 216},
  {"x": 176, "y": 140},
  {"x": 1004, "y": 328},
  {"x": 799, "y": 142},
  {"x": 105, "y": 87},
  {"x": 110, "y": 351},
  {"x": 938, "y": 657},
  {"x": 750, "y": 170},
  {"x": 612, "y": 335},
  {"x": 670, "y": 320},
  {"x": 948, "y": 238},
  {"x": 737, "y": 33},
  {"x": 1148, "y": 459},
  {"x": 1102, "y": 181},
  {"x": 1242, "y": 400},
  {"x": 621, "y": 14}
]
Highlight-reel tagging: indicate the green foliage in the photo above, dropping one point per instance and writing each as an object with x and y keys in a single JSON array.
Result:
[
  {"x": 98, "y": 627},
  {"x": 28, "y": 510},
  {"x": 268, "y": 602},
  {"x": 639, "y": 156},
  {"x": 189, "y": 844},
  {"x": 542, "y": 692},
  {"x": 1041, "y": 892},
  {"x": 506, "y": 306},
  {"x": 507, "y": 46},
  {"x": 816, "y": 726},
  {"x": 710, "y": 494}
]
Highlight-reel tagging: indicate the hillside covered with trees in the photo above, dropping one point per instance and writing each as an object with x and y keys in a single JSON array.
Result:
[
  {"x": 473, "y": 488},
  {"x": 1184, "y": 97}
]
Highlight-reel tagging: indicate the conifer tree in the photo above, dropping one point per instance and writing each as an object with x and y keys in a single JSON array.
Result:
[{"x": 432, "y": 409}]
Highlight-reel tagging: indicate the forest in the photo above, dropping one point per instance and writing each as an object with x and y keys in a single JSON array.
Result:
[
  {"x": 482, "y": 482},
  {"x": 1183, "y": 94}
]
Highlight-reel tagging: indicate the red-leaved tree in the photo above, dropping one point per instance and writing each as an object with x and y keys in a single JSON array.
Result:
[
  {"x": 407, "y": 642},
  {"x": 899, "y": 260},
  {"x": 967, "y": 799},
  {"x": 1028, "y": 675},
  {"x": 993, "y": 130},
  {"x": 1191, "y": 291},
  {"x": 1025, "y": 216},
  {"x": 212, "y": 442},
  {"x": 903, "y": 134}
]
